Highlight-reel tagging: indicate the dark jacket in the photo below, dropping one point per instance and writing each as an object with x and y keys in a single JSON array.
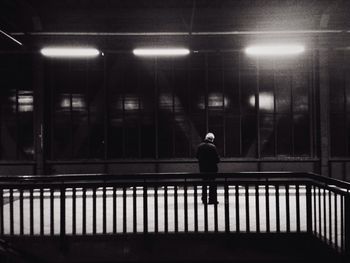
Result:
[{"x": 208, "y": 157}]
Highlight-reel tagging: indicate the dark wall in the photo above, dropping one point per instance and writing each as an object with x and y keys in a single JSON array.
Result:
[{"x": 122, "y": 114}]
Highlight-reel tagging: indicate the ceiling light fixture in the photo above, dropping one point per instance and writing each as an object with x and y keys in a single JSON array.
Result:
[
  {"x": 274, "y": 50},
  {"x": 160, "y": 52},
  {"x": 69, "y": 52}
]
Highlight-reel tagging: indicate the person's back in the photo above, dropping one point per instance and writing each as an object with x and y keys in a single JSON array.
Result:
[{"x": 207, "y": 157}]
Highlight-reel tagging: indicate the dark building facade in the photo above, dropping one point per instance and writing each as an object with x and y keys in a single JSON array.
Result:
[{"x": 119, "y": 113}]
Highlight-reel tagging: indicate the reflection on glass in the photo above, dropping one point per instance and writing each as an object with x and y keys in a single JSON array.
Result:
[
  {"x": 167, "y": 101},
  {"x": 216, "y": 100},
  {"x": 265, "y": 101},
  {"x": 78, "y": 102},
  {"x": 130, "y": 102},
  {"x": 163, "y": 109},
  {"x": 29, "y": 150},
  {"x": 301, "y": 103},
  {"x": 25, "y": 101}
]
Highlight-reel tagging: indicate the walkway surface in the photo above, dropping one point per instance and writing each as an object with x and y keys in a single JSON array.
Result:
[{"x": 129, "y": 209}]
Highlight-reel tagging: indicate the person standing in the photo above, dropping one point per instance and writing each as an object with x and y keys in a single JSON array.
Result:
[{"x": 208, "y": 160}]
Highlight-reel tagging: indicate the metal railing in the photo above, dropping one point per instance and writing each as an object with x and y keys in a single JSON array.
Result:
[{"x": 170, "y": 203}]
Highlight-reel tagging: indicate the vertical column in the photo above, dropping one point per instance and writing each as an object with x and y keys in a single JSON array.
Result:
[
  {"x": 38, "y": 93},
  {"x": 257, "y": 112},
  {"x": 106, "y": 116},
  {"x": 156, "y": 109},
  {"x": 323, "y": 100}
]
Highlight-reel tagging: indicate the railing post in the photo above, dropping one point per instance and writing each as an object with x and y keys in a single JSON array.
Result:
[
  {"x": 347, "y": 226},
  {"x": 62, "y": 216},
  {"x": 308, "y": 208},
  {"x": 227, "y": 205}
]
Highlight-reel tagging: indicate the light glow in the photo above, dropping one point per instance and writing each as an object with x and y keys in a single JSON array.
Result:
[
  {"x": 69, "y": 52},
  {"x": 275, "y": 50},
  {"x": 266, "y": 101},
  {"x": 77, "y": 102},
  {"x": 216, "y": 100},
  {"x": 160, "y": 52},
  {"x": 130, "y": 102}
]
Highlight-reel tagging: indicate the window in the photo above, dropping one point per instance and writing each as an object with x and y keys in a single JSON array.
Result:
[
  {"x": 339, "y": 101},
  {"x": 16, "y": 108},
  {"x": 121, "y": 106}
]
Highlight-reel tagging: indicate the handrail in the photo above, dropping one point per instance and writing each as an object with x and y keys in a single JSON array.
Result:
[{"x": 166, "y": 176}]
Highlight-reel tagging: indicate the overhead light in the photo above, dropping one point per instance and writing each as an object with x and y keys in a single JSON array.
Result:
[
  {"x": 274, "y": 50},
  {"x": 160, "y": 52},
  {"x": 69, "y": 52}
]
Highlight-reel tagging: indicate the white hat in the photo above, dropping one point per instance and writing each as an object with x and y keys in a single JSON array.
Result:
[{"x": 210, "y": 137}]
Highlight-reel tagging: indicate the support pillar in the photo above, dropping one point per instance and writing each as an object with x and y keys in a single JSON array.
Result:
[
  {"x": 38, "y": 93},
  {"x": 324, "y": 150}
]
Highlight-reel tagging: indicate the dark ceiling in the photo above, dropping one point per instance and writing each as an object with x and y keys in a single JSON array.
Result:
[{"x": 117, "y": 25}]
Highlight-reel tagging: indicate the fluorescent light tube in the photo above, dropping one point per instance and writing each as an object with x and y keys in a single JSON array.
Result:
[
  {"x": 160, "y": 52},
  {"x": 274, "y": 50},
  {"x": 71, "y": 52}
]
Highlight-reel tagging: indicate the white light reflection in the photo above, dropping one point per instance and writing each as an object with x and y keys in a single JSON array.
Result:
[
  {"x": 29, "y": 151},
  {"x": 275, "y": 50},
  {"x": 265, "y": 101},
  {"x": 215, "y": 100},
  {"x": 78, "y": 102},
  {"x": 130, "y": 102},
  {"x": 65, "y": 103},
  {"x": 25, "y": 102},
  {"x": 167, "y": 102}
]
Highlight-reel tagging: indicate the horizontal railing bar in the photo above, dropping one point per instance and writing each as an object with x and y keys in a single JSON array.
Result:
[
  {"x": 268, "y": 176},
  {"x": 142, "y": 176},
  {"x": 149, "y": 183},
  {"x": 328, "y": 180},
  {"x": 186, "y": 160},
  {"x": 342, "y": 192},
  {"x": 70, "y": 191}
]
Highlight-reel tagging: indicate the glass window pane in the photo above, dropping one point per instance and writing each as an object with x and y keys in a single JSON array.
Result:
[
  {"x": 338, "y": 135},
  {"x": 284, "y": 134},
  {"x": 97, "y": 112},
  {"x": 266, "y": 91},
  {"x": 248, "y": 88},
  {"x": 249, "y": 140},
  {"x": 25, "y": 118},
  {"x": 233, "y": 136},
  {"x": 115, "y": 102},
  {"x": 283, "y": 92},
  {"x": 16, "y": 107},
  {"x": 148, "y": 106},
  {"x": 301, "y": 135},
  {"x": 300, "y": 92},
  {"x": 267, "y": 135},
  {"x": 182, "y": 136}
]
